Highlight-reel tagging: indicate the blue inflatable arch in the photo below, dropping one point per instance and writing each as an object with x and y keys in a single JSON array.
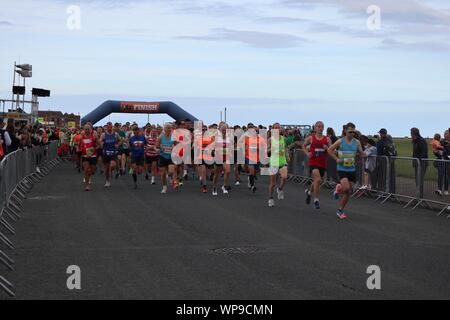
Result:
[{"x": 112, "y": 106}]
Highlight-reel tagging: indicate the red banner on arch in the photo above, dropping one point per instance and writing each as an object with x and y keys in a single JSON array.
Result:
[{"x": 140, "y": 107}]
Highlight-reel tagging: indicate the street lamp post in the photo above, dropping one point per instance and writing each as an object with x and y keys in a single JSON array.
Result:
[{"x": 24, "y": 71}]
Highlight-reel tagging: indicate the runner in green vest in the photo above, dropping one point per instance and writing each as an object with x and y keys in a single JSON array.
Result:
[{"x": 278, "y": 163}]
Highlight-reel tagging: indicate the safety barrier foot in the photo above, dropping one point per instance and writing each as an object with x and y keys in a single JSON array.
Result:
[
  {"x": 7, "y": 287},
  {"x": 13, "y": 212},
  {"x": 6, "y": 261},
  {"x": 388, "y": 196},
  {"x": 7, "y": 226},
  {"x": 6, "y": 241},
  {"x": 39, "y": 174},
  {"x": 19, "y": 194},
  {"x": 14, "y": 206},
  {"x": 419, "y": 203},
  {"x": 14, "y": 199},
  {"x": 28, "y": 184},
  {"x": 22, "y": 190},
  {"x": 8, "y": 214},
  {"x": 36, "y": 176}
]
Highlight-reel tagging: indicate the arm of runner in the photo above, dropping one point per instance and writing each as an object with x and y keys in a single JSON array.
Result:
[
  {"x": 102, "y": 140},
  {"x": 329, "y": 144},
  {"x": 332, "y": 150},
  {"x": 117, "y": 140},
  {"x": 361, "y": 152},
  {"x": 158, "y": 144},
  {"x": 305, "y": 146}
]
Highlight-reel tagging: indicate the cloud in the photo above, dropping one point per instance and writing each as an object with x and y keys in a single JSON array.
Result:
[
  {"x": 6, "y": 24},
  {"x": 280, "y": 20},
  {"x": 252, "y": 38},
  {"x": 429, "y": 46},
  {"x": 400, "y": 11}
]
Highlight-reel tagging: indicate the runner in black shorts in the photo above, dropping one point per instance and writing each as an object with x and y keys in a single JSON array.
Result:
[
  {"x": 137, "y": 144},
  {"x": 316, "y": 145},
  {"x": 165, "y": 145}
]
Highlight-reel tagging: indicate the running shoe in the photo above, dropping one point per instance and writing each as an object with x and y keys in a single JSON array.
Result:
[
  {"x": 214, "y": 193},
  {"x": 317, "y": 204},
  {"x": 164, "y": 190},
  {"x": 254, "y": 189},
  {"x": 237, "y": 184},
  {"x": 249, "y": 184},
  {"x": 117, "y": 175},
  {"x": 308, "y": 197},
  {"x": 153, "y": 181},
  {"x": 84, "y": 180},
  {"x": 439, "y": 193},
  {"x": 337, "y": 191},
  {"x": 271, "y": 203},
  {"x": 180, "y": 183},
  {"x": 108, "y": 184},
  {"x": 341, "y": 215},
  {"x": 130, "y": 172},
  {"x": 204, "y": 189},
  {"x": 280, "y": 194},
  {"x": 224, "y": 190}
]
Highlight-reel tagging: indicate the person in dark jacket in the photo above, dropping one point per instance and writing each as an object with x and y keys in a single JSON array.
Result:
[
  {"x": 446, "y": 156},
  {"x": 5, "y": 140},
  {"x": 385, "y": 148},
  {"x": 11, "y": 129},
  {"x": 420, "y": 152}
]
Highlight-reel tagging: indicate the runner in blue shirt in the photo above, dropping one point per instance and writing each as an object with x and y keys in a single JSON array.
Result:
[
  {"x": 137, "y": 145},
  {"x": 109, "y": 143},
  {"x": 344, "y": 152}
]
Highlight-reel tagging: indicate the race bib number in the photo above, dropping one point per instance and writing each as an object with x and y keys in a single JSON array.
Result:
[
  {"x": 348, "y": 159},
  {"x": 349, "y": 162},
  {"x": 89, "y": 152},
  {"x": 319, "y": 152}
]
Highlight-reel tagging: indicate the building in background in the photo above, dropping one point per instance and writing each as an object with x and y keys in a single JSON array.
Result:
[{"x": 58, "y": 119}]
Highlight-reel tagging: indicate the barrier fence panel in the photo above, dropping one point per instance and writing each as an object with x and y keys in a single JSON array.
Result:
[
  {"x": 417, "y": 181},
  {"x": 18, "y": 171},
  {"x": 435, "y": 180},
  {"x": 332, "y": 174},
  {"x": 298, "y": 166}
]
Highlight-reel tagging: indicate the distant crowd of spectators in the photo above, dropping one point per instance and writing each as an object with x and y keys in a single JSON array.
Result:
[{"x": 14, "y": 136}]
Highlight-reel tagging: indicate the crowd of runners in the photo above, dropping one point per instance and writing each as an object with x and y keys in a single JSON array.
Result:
[{"x": 128, "y": 150}]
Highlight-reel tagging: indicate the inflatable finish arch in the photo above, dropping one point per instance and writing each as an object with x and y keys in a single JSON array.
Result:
[{"x": 111, "y": 106}]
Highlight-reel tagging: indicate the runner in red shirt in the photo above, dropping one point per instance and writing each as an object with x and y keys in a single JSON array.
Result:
[
  {"x": 253, "y": 146},
  {"x": 151, "y": 153},
  {"x": 317, "y": 161},
  {"x": 88, "y": 147}
]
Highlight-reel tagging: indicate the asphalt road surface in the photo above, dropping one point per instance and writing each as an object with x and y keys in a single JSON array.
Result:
[{"x": 187, "y": 245}]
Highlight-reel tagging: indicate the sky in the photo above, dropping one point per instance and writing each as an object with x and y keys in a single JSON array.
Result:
[{"x": 288, "y": 61}]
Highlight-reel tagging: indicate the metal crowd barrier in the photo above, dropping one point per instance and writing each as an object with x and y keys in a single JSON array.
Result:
[
  {"x": 19, "y": 171},
  {"x": 410, "y": 181}
]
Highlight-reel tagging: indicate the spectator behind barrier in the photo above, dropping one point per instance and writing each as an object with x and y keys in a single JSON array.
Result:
[
  {"x": 332, "y": 135},
  {"x": 5, "y": 140},
  {"x": 370, "y": 162}
]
